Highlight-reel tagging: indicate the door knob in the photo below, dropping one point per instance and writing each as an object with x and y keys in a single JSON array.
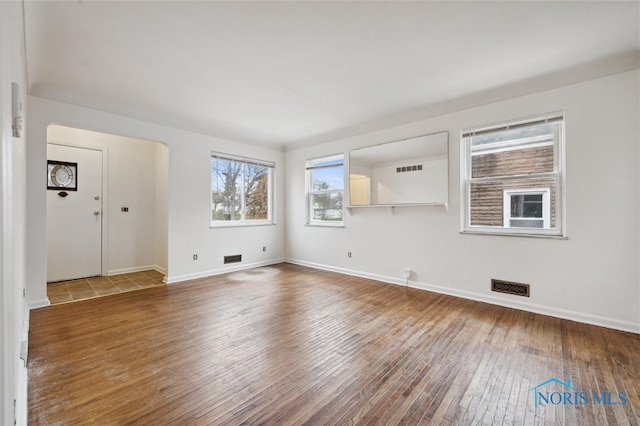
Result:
[{"x": 96, "y": 212}]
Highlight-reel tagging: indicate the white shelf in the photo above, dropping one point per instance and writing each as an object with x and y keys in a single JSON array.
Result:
[{"x": 392, "y": 207}]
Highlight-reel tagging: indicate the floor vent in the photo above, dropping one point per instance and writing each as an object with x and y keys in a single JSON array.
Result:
[
  {"x": 510, "y": 287},
  {"x": 233, "y": 258}
]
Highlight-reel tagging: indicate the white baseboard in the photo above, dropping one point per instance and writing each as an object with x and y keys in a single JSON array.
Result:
[
  {"x": 223, "y": 270},
  {"x": 523, "y": 306},
  {"x": 41, "y": 303},
  {"x": 135, "y": 269}
]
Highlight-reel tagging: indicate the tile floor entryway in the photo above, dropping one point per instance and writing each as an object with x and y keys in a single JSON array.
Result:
[{"x": 87, "y": 288}]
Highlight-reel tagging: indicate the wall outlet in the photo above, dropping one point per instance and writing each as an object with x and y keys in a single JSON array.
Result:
[
  {"x": 195, "y": 257},
  {"x": 406, "y": 273},
  {"x": 349, "y": 255},
  {"x": 264, "y": 248}
]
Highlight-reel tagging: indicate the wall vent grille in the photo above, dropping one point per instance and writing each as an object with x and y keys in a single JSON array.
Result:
[
  {"x": 510, "y": 287},
  {"x": 404, "y": 169},
  {"x": 235, "y": 258}
]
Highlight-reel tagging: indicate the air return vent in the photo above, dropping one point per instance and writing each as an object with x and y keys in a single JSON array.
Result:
[
  {"x": 233, "y": 258},
  {"x": 404, "y": 169},
  {"x": 510, "y": 287}
]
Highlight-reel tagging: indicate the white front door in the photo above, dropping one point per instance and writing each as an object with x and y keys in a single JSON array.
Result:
[{"x": 74, "y": 217}]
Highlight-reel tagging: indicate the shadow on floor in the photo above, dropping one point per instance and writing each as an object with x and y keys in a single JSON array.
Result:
[{"x": 87, "y": 288}]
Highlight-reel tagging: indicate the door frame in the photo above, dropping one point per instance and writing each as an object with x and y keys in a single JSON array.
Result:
[{"x": 105, "y": 202}]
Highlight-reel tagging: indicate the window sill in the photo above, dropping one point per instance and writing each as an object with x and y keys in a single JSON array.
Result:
[
  {"x": 239, "y": 225},
  {"x": 325, "y": 225},
  {"x": 515, "y": 234}
]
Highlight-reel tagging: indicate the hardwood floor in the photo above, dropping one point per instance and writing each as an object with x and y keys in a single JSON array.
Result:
[{"x": 291, "y": 345}]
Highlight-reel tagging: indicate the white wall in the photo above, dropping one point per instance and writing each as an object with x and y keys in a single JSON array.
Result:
[
  {"x": 428, "y": 185},
  {"x": 188, "y": 199},
  {"x": 591, "y": 277},
  {"x": 132, "y": 181},
  {"x": 13, "y": 314}
]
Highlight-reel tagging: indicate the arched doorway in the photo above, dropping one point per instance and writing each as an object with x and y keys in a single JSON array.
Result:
[{"x": 129, "y": 207}]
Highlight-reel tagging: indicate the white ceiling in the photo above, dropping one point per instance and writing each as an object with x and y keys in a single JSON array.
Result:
[{"x": 288, "y": 74}]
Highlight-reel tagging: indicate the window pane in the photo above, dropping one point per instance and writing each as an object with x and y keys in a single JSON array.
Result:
[
  {"x": 324, "y": 162},
  {"x": 240, "y": 190},
  {"x": 325, "y": 184},
  {"x": 532, "y": 206},
  {"x": 526, "y": 205},
  {"x": 226, "y": 184},
  {"x": 516, "y": 206},
  {"x": 257, "y": 192},
  {"x": 487, "y": 198},
  {"x": 521, "y": 133},
  {"x": 327, "y": 207},
  {"x": 513, "y": 162},
  {"x": 328, "y": 179},
  {"x": 524, "y": 223}
]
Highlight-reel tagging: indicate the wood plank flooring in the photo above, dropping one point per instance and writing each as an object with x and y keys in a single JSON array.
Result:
[{"x": 292, "y": 345}]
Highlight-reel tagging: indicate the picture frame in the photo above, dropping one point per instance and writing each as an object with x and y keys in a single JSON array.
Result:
[{"x": 62, "y": 175}]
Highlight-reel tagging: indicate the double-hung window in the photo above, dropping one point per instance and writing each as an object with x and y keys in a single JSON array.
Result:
[
  {"x": 513, "y": 177},
  {"x": 325, "y": 189},
  {"x": 241, "y": 191}
]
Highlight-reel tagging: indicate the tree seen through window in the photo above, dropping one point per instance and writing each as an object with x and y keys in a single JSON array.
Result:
[{"x": 240, "y": 190}]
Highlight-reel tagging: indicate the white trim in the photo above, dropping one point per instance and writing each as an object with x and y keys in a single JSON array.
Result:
[
  {"x": 559, "y": 231},
  {"x": 271, "y": 188},
  {"x": 561, "y": 181},
  {"x": 514, "y": 232},
  {"x": 224, "y": 270},
  {"x": 135, "y": 269},
  {"x": 333, "y": 157},
  {"x": 309, "y": 192},
  {"x": 546, "y": 206},
  {"x": 21, "y": 395},
  {"x": 499, "y": 300},
  {"x": 507, "y": 125},
  {"x": 515, "y": 177},
  {"x": 40, "y": 303},
  {"x": 104, "y": 198},
  {"x": 465, "y": 184},
  {"x": 105, "y": 209},
  {"x": 239, "y": 224},
  {"x": 326, "y": 224},
  {"x": 512, "y": 145},
  {"x": 245, "y": 160}
]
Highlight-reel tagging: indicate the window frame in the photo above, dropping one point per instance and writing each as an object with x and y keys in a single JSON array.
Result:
[
  {"x": 558, "y": 174},
  {"x": 309, "y": 192},
  {"x": 507, "y": 206},
  {"x": 243, "y": 221}
]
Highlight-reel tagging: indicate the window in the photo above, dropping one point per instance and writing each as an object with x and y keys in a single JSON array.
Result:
[
  {"x": 325, "y": 186},
  {"x": 241, "y": 191},
  {"x": 513, "y": 177},
  {"x": 527, "y": 209}
]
